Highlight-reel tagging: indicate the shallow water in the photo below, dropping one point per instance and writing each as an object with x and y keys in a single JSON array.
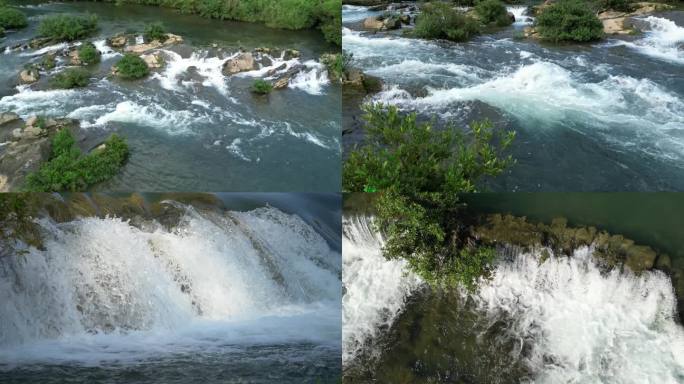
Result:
[
  {"x": 189, "y": 127},
  {"x": 248, "y": 295},
  {"x": 607, "y": 116}
]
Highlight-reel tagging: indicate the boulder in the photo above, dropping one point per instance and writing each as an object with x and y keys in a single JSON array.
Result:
[
  {"x": 284, "y": 80},
  {"x": 153, "y": 60},
  {"x": 8, "y": 117},
  {"x": 171, "y": 39},
  {"x": 118, "y": 41},
  {"x": 29, "y": 76},
  {"x": 373, "y": 22},
  {"x": 290, "y": 54},
  {"x": 74, "y": 57},
  {"x": 241, "y": 63}
]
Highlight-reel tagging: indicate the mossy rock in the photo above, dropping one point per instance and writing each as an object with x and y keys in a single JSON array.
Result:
[
  {"x": 81, "y": 205},
  {"x": 124, "y": 207}
]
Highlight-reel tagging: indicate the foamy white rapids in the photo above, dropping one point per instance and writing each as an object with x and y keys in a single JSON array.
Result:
[
  {"x": 312, "y": 79},
  {"x": 49, "y": 102},
  {"x": 363, "y": 45},
  {"x": 209, "y": 68},
  {"x": 519, "y": 12},
  {"x": 106, "y": 51},
  {"x": 547, "y": 91},
  {"x": 151, "y": 115},
  {"x": 352, "y": 13},
  {"x": 375, "y": 288},
  {"x": 104, "y": 290},
  {"x": 585, "y": 326},
  {"x": 44, "y": 50},
  {"x": 663, "y": 40}
]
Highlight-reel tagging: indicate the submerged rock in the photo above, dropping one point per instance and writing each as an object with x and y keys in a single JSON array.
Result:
[
  {"x": 8, "y": 117},
  {"x": 118, "y": 41},
  {"x": 243, "y": 62}
]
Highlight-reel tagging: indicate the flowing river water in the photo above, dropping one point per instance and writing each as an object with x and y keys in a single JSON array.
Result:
[
  {"x": 189, "y": 127},
  {"x": 607, "y": 116},
  {"x": 248, "y": 294},
  {"x": 563, "y": 320}
]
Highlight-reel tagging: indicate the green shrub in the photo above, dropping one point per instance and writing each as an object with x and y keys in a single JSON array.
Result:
[
  {"x": 440, "y": 21},
  {"x": 261, "y": 87},
  {"x": 569, "y": 20},
  {"x": 336, "y": 63},
  {"x": 493, "y": 12},
  {"x": 131, "y": 67},
  {"x": 325, "y": 15},
  {"x": 49, "y": 62},
  {"x": 419, "y": 172},
  {"x": 88, "y": 54},
  {"x": 67, "y": 27},
  {"x": 11, "y": 18},
  {"x": 69, "y": 170},
  {"x": 71, "y": 78},
  {"x": 617, "y": 5},
  {"x": 402, "y": 154},
  {"x": 155, "y": 31}
]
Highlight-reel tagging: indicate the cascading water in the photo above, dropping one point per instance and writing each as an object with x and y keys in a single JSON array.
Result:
[
  {"x": 375, "y": 289},
  {"x": 561, "y": 319},
  {"x": 613, "y": 112},
  {"x": 216, "y": 289}
]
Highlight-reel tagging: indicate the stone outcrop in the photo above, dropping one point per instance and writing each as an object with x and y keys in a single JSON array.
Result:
[
  {"x": 153, "y": 60},
  {"x": 29, "y": 75},
  {"x": 381, "y": 23},
  {"x": 29, "y": 146},
  {"x": 609, "y": 250},
  {"x": 171, "y": 39},
  {"x": 241, "y": 63}
]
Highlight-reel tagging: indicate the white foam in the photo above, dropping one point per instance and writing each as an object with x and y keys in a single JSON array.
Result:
[
  {"x": 28, "y": 102},
  {"x": 105, "y": 291},
  {"x": 312, "y": 79},
  {"x": 664, "y": 40},
  {"x": 519, "y": 12},
  {"x": 151, "y": 115},
  {"x": 48, "y": 49},
  {"x": 106, "y": 51},
  {"x": 375, "y": 288},
  {"x": 209, "y": 68},
  {"x": 365, "y": 46},
  {"x": 585, "y": 326}
]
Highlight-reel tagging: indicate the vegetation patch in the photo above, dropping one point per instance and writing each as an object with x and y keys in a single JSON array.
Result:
[
  {"x": 67, "y": 27},
  {"x": 11, "y": 18},
  {"x": 325, "y": 15},
  {"x": 261, "y": 87},
  {"x": 617, "y": 5},
  {"x": 418, "y": 172},
  {"x": 155, "y": 31},
  {"x": 69, "y": 170},
  {"x": 48, "y": 62},
  {"x": 493, "y": 12},
  {"x": 439, "y": 20},
  {"x": 88, "y": 54},
  {"x": 71, "y": 78},
  {"x": 131, "y": 67},
  {"x": 336, "y": 63},
  {"x": 569, "y": 20}
]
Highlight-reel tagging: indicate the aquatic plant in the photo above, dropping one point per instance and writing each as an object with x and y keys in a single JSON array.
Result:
[
  {"x": 493, "y": 12},
  {"x": 261, "y": 87},
  {"x": 325, "y": 15},
  {"x": 71, "y": 78},
  {"x": 88, "y": 54},
  {"x": 155, "y": 31},
  {"x": 131, "y": 67},
  {"x": 439, "y": 20},
  {"x": 569, "y": 20},
  {"x": 69, "y": 170},
  {"x": 48, "y": 62},
  {"x": 67, "y": 27},
  {"x": 11, "y": 18}
]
